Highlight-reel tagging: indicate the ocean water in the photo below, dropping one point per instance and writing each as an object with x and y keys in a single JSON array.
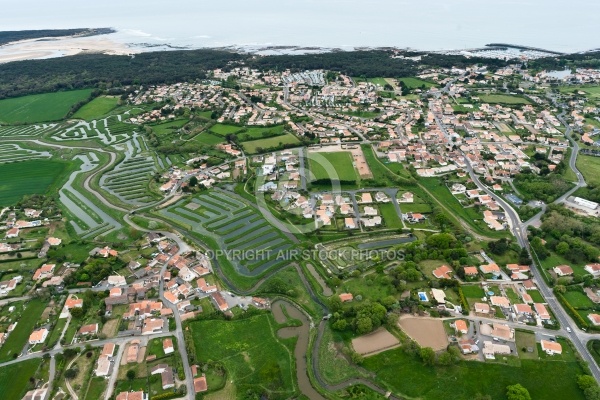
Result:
[{"x": 419, "y": 24}]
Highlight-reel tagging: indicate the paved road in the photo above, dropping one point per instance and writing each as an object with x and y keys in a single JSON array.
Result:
[{"x": 115, "y": 371}]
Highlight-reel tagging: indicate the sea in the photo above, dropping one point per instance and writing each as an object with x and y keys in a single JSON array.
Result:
[{"x": 558, "y": 25}]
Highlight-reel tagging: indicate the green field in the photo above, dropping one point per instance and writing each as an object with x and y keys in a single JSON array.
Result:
[
  {"x": 405, "y": 374},
  {"x": 578, "y": 299},
  {"x": 416, "y": 83},
  {"x": 14, "y": 379},
  {"x": 341, "y": 161},
  {"x": 96, "y": 108},
  {"x": 390, "y": 216},
  {"x": 223, "y": 129},
  {"x": 251, "y": 353},
  {"x": 502, "y": 99},
  {"x": 254, "y": 146},
  {"x": 29, "y": 177},
  {"x": 17, "y": 339},
  {"x": 536, "y": 296},
  {"x": 208, "y": 138},
  {"x": 40, "y": 107},
  {"x": 169, "y": 127},
  {"x": 589, "y": 166},
  {"x": 473, "y": 291},
  {"x": 96, "y": 388}
]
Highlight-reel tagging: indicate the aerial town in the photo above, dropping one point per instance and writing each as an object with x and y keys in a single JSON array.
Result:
[{"x": 306, "y": 234}]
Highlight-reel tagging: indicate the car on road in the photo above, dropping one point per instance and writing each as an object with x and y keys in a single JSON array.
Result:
[{"x": 568, "y": 329}]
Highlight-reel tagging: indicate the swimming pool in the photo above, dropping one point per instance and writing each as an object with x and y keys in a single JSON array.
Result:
[{"x": 423, "y": 296}]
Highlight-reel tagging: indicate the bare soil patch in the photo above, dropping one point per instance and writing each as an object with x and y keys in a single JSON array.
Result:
[
  {"x": 426, "y": 332},
  {"x": 375, "y": 342}
]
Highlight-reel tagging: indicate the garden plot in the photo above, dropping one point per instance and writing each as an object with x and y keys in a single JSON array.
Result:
[
  {"x": 109, "y": 130},
  {"x": 13, "y": 152},
  {"x": 129, "y": 179},
  {"x": 233, "y": 225},
  {"x": 26, "y": 130},
  {"x": 87, "y": 219}
]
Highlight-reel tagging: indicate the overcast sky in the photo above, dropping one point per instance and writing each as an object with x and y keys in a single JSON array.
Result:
[{"x": 428, "y": 24}]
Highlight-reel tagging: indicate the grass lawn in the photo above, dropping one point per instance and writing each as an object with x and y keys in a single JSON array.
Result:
[
  {"x": 371, "y": 287},
  {"x": 333, "y": 366},
  {"x": 14, "y": 379},
  {"x": 96, "y": 388},
  {"x": 208, "y": 138},
  {"x": 361, "y": 114},
  {"x": 503, "y": 99},
  {"x": 341, "y": 161},
  {"x": 17, "y": 339},
  {"x": 409, "y": 377},
  {"x": 29, "y": 177},
  {"x": 594, "y": 348},
  {"x": 223, "y": 129},
  {"x": 96, "y": 108},
  {"x": 578, "y": 299},
  {"x": 526, "y": 340},
  {"x": 536, "y": 296},
  {"x": 427, "y": 267},
  {"x": 416, "y": 83},
  {"x": 40, "y": 107},
  {"x": 513, "y": 297},
  {"x": 377, "y": 167},
  {"x": 473, "y": 292},
  {"x": 169, "y": 127},
  {"x": 253, "y": 146},
  {"x": 251, "y": 353},
  {"x": 389, "y": 215},
  {"x": 590, "y": 168}
]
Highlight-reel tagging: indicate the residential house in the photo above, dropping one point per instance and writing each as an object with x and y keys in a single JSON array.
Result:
[
  {"x": 443, "y": 272},
  {"x": 116, "y": 280},
  {"x": 36, "y": 394},
  {"x": 490, "y": 269},
  {"x": 87, "y": 330},
  {"x": 132, "y": 396},
  {"x": 152, "y": 325},
  {"x": 503, "y": 332},
  {"x": 471, "y": 271},
  {"x": 551, "y": 348},
  {"x": 200, "y": 384},
  {"x": 541, "y": 311},
  {"x": 482, "y": 308},
  {"x": 500, "y": 301},
  {"x": 345, "y": 297},
  {"x": 38, "y": 336},
  {"x": 45, "y": 271},
  {"x": 219, "y": 301},
  {"x": 133, "y": 351},
  {"x": 593, "y": 269},
  {"x": 523, "y": 309},
  {"x": 460, "y": 325},
  {"x": 168, "y": 346},
  {"x": 205, "y": 287},
  {"x": 563, "y": 270},
  {"x": 594, "y": 318},
  {"x": 490, "y": 350}
]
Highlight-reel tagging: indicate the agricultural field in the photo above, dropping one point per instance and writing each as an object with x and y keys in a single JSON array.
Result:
[
  {"x": 256, "y": 146},
  {"x": 14, "y": 379},
  {"x": 407, "y": 375},
  {"x": 109, "y": 130},
  {"x": 503, "y": 99},
  {"x": 129, "y": 180},
  {"x": 96, "y": 108},
  {"x": 40, "y": 107},
  {"x": 590, "y": 168},
  {"x": 26, "y": 131},
  {"x": 11, "y": 152},
  {"x": 29, "y": 177},
  {"x": 341, "y": 162},
  {"x": 251, "y": 352},
  {"x": 233, "y": 225}
]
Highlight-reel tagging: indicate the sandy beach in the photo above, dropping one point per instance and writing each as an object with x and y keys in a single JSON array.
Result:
[{"x": 61, "y": 46}]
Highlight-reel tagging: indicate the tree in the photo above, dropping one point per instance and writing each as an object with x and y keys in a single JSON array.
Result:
[
  {"x": 131, "y": 374},
  {"x": 592, "y": 393},
  {"x": 77, "y": 312},
  {"x": 517, "y": 392},
  {"x": 562, "y": 248},
  {"x": 427, "y": 355},
  {"x": 586, "y": 381},
  {"x": 70, "y": 373},
  {"x": 193, "y": 181}
]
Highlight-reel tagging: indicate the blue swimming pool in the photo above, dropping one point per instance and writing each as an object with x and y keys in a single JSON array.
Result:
[{"x": 423, "y": 296}]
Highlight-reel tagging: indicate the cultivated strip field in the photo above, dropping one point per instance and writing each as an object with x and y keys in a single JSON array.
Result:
[
  {"x": 11, "y": 152},
  {"x": 129, "y": 180},
  {"x": 375, "y": 342},
  {"x": 235, "y": 225},
  {"x": 109, "y": 130},
  {"x": 426, "y": 332},
  {"x": 26, "y": 130},
  {"x": 87, "y": 219}
]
